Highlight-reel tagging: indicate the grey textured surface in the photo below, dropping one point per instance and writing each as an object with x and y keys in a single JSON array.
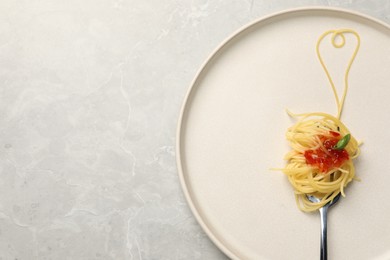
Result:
[{"x": 90, "y": 94}]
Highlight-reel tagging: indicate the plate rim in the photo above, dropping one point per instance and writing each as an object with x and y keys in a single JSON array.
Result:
[{"x": 184, "y": 185}]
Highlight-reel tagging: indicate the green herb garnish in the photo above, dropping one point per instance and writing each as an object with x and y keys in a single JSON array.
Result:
[{"x": 342, "y": 143}]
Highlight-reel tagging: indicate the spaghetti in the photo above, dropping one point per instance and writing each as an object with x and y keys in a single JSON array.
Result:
[{"x": 321, "y": 160}]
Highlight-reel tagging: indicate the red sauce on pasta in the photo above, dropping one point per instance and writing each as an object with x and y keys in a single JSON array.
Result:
[{"x": 326, "y": 158}]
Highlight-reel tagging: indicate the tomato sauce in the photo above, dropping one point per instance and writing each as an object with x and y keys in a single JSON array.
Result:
[{"x": 326, "y": 158}]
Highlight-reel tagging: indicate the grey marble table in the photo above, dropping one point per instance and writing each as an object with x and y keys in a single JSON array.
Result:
[{"x": 90, "y": 94}]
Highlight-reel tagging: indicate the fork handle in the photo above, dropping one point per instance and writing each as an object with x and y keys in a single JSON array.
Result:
[{"x": 324, "y": 233}]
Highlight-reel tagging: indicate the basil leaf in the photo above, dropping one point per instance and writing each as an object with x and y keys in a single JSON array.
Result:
[{"x": 342, "y": 143}]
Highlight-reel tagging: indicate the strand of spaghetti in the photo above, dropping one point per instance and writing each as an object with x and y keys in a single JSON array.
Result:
[{"x": 335, "y": 33}]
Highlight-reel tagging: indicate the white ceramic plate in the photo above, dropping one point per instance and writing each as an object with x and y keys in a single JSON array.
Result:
[{"x": 232, "y": 129}]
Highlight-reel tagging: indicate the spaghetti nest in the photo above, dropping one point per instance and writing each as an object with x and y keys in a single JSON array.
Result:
[
  {"x": 314, "y": 166},
  {"x": 320, "y": 162}
]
